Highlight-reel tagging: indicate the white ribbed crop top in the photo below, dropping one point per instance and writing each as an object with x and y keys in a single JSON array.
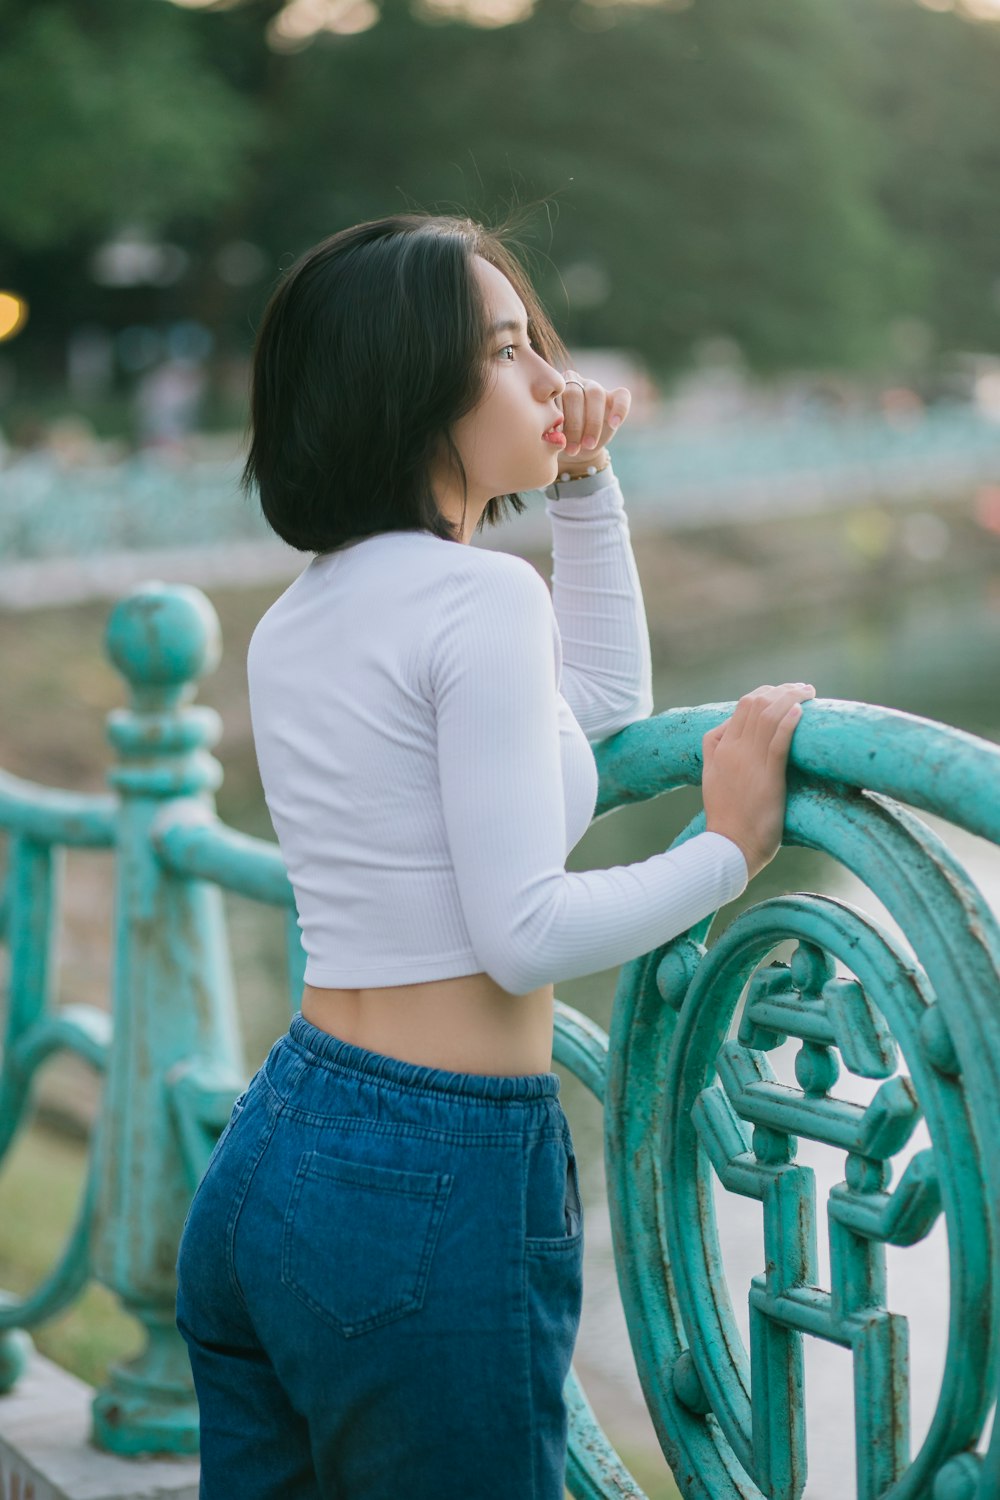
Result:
[{"x": 422, "y": 713}]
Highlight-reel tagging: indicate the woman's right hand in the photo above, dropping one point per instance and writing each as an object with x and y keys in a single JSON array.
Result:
[{"x": 743, "y": 783}]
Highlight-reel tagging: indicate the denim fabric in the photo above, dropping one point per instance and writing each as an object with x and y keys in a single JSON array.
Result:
[{"x": 380, "y": 1280}]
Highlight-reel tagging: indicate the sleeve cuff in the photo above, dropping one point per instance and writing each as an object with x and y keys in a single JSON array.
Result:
[{"x": 602, "y": 491}]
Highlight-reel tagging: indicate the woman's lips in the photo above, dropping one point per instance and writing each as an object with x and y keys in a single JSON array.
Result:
[{"x": 554, "y": 435}]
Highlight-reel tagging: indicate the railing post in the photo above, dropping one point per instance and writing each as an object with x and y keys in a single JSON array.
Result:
[{"x": 173, "y": 1004}]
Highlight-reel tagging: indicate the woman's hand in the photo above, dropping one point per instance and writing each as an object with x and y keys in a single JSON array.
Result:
[
  {"x": 743, "y": 780},
  {"x": 591, "y": 416}
]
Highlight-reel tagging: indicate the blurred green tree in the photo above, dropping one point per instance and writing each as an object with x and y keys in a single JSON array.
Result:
[
  {"x": 710, "y": 168},
  {"x": 931, "y": 89},
  {"x": 792, "y": 177},
  {"x": 111, "y": 114}
]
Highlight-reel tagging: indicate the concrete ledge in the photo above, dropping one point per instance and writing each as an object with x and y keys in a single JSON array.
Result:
[{"x": 46, "y": 1452}]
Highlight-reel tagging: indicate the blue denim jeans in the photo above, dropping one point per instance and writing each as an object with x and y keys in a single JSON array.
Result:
[{"x": 380, "y": 1280}]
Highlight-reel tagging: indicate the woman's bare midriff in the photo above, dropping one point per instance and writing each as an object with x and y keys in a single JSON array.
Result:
[{"x": 467, "y": 1025}]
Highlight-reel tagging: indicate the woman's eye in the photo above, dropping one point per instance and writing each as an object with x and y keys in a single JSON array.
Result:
[{"x": 515, "y": 346}]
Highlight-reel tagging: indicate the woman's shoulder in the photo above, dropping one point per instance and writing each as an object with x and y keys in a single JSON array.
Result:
[
  {"x": 456, "y": 570},
  {"x": 488, "y": 573},
  {"x": 435, "y": 584},
  {"x": 413, "y": 553},
  {"x": 491, "y": 600}
]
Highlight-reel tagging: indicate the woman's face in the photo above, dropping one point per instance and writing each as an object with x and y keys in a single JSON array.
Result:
[{"x": 500, "y": 440}]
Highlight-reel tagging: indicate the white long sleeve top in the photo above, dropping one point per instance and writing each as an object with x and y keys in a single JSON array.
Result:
[{"x": 423, "y": 713}]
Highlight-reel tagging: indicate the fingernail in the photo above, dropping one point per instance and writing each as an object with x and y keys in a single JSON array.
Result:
[
  {"x": 590, "y": 442},
  {"x": 571, "y": 448},
  {"x": 616, "y": 420}
]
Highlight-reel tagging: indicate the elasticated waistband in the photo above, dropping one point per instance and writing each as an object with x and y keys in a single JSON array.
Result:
[{"x": 340, "y": 1056}]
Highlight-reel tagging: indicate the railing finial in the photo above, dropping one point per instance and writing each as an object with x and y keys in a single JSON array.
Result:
[{"x": 163, "y": 638}]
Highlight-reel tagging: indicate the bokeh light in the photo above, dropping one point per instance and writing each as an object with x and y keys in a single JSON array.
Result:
[
  {"x": 295, "y": 26},
  {"x": 13, "y": 315}
]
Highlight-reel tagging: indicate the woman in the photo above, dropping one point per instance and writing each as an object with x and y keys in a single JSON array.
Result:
[{"x": 380, "y": 1274}]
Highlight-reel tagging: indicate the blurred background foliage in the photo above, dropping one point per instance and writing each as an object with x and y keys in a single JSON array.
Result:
[{"x": 802, "y": 178}]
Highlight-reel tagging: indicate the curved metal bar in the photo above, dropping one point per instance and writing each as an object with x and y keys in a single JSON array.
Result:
[
  {"x": 33, "y": 889},
  {"x": 72, "y": 1271},
  {"x": 80, "y": 1029},
  {"x": 202, "y": 1095},
  {"x": 581, "y": 1046},
  {"x": 49, "y": 816},
  {"x": 919, "y": 761},
  {"x": 193, "y": 843},
  {"x": 593, "y": 1468},
  {"x": 295, "y": 959}
]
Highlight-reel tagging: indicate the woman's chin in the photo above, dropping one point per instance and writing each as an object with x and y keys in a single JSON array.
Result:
[
  {"x": 554, "y": 466},
  {"x": 526, "y": 480}
]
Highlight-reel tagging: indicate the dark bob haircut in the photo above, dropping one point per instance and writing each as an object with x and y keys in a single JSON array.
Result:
[{"x": 372, "y": 345}]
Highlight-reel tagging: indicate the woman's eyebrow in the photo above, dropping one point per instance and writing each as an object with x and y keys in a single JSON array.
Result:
[{"x": 510, "y": 324}]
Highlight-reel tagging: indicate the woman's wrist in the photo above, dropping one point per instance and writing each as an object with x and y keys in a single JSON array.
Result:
[{"x": 582, "y": 464}]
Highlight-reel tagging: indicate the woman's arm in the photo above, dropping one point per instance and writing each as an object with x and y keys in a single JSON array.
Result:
[
  {"x": 491, "y": 670},
  {"x": 607, "y": 675}
]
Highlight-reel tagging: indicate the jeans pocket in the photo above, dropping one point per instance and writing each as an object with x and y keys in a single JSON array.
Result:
[
  {"x": 553, "y": 1266},
  {"x": 358, "y": 1239},
  {"x": 572, "y": 1213}
]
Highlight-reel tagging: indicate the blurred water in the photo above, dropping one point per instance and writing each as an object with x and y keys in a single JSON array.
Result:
[{"x": 936, "y": 655}]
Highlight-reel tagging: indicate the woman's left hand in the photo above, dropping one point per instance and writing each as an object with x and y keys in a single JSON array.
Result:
[{"x": 591, "y": 416}]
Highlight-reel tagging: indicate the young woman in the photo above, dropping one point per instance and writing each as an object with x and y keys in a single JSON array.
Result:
[{"x": 379, "y": 1279}]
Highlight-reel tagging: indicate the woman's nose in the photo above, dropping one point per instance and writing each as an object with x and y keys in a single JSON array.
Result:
[{"x": 555, "y": 382}]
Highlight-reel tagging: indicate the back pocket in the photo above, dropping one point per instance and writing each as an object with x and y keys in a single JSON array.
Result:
[{"x": 358, "y": 1239}]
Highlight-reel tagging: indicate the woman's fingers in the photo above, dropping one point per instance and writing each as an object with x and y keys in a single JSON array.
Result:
[
  {"x": 758, "y": 711},
  {"x": 619, "y": 406},
  {"x": 782, "y": 737},
  {"x": 748, "y": 707},
  {"x": 583, "y": 413},
  {"x": 711, "y": 738},
  {"x": 591, "y": 415},
  {"x": 744, "y": 775},
  {"x": 772, "y": 713}
]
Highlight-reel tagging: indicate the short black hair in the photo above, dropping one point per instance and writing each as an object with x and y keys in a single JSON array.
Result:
[{"x": 371, "y": 346}]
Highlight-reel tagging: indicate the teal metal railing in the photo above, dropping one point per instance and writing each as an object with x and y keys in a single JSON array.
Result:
[{"x": 691, "y": 1103}]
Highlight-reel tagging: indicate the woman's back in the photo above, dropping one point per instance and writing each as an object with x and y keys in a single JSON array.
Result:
[
  {"x": 418, "y": 709},
  {"x": 346, "y": 735},
  {"x": 344, "y": 673}
]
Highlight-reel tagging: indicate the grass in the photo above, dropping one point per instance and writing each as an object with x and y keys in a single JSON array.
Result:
[
  {"x": 649, "y": 1475},
  {"x": 94, "y": 1332}
]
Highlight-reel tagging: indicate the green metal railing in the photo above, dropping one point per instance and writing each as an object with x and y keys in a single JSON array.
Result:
[{"x": 691, "y": 1104}]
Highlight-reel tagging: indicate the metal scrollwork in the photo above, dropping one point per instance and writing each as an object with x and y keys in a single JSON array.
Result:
[{"x": 689, "y": 1105}]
